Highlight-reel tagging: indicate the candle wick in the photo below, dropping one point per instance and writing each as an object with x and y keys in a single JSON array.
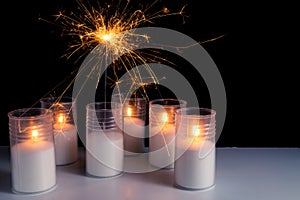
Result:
[
  {"x": 34, "y": 140},
  {"x": 62, "y": 125}
]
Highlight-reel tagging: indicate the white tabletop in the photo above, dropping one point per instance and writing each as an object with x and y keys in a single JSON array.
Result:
[{"x": 241, "y": 174}]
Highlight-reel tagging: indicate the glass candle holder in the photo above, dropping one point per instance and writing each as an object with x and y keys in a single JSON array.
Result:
[
  {"x": 162, "y": 131},
  {"x": 195, "y": 148},
  {"x": 65, "y": 132},
  {"x": 118, "y": 98},
  {"x": 104, "y": 140},
  {"x": 32, "y": 150},
  {"x": 133, "y": 123}
]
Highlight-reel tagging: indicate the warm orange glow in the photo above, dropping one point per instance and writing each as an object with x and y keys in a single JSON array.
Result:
[
  {"x": 129, "y": 111},
  {"x": 110, "y": 25},
  {"x": 111, "y": 28},
  {"x": 164, "y": 117},
  {"x": 61, "y": 118},
  {"x": 34, "y": 135},
  {"x": 106, "y": 37},
  {"x": 196, "y": 131},
  {"x": 166, "y": 10}
]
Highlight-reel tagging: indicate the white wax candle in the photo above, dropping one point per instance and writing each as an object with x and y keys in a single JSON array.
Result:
[
  {"x": 66, "y": 144},
  {"x": 33, "y": 168},
  {"x": 104, "y": 154},
  {"x": 134, "y": 134},
  {"x": 195, "y": 168},
  {"x": 162, "y": 146}
]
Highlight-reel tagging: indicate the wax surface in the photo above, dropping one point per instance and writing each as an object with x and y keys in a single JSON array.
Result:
[
  {"x": 134, "y": 134},
  {"x": 33, "y": 166},
  {"x": 162, "y": 146},
  {"x": 66, "y": 143},
  {"x": 104, "y": 155},
  {"x": 195, "y": 168}
]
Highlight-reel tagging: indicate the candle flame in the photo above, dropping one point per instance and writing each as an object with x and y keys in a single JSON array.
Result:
[
  {"x": 196, "y": 131},
  {"x": 34, "y": 135},
  {"x": 129, "y": 111},
  {"x": 164, "y": 117},
  {"x": 61, "y": 118}
]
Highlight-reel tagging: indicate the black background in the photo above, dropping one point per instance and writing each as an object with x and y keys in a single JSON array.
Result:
[{"x": 256, "y": 58}]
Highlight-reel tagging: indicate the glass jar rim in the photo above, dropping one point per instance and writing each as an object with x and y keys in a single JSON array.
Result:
[
  {"x": 91, "y": 105},
  {"x": 179, "y": 101},
  {"x": 26, "y": 113},
  {"x": 123, "y": 99},
  {"x": 183, "y": 112}
]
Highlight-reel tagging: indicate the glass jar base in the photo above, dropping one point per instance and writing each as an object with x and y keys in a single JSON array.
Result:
[
  {"x": 196, "y": 189},
  {"x": 34, "y": 193},
  {"x": 104, "y": 177},
  {"x": 67, "y": 164},
  {"x": 169, "y": 167},
  {"x": 132, "y": 154}
]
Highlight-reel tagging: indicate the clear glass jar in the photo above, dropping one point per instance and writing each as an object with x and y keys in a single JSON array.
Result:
[
  {"x": 133, "y": 123},
  {"x": 65, "y": 132},
  {"x": 162, "y": 131},
  {"x": 32, "y": 150},
  {"x": 104, "y": 140},
  {"x": 195, "y": 148}
]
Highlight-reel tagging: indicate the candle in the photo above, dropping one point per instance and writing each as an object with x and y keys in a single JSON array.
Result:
[
  {"x": 32, "y": 150},
  {"x": 162, "y": 144},
  {"x": 162, "y": 131},
  {"x": 65, "y": 132},
  {"x": 134, "y": 133},
  {"x": 195, "y": 149},
  {"x": 195, "y": 168},
  {"x": 104, "y": 155},
  {"x": 35, "y": 168},
  {"x": 65, "y": 140},
  {"x": 104, "y": 140},
  {"x": 132, "y": 122}
]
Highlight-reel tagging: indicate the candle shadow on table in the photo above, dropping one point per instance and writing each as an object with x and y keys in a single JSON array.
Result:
[
  {"x": 5, "y": 181},
  {"x": 5, "y": 171},
  {"x": 78, "y": 167}
]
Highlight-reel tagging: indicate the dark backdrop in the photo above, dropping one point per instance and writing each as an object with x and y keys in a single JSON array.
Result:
[{"x": 256, "y": 58}]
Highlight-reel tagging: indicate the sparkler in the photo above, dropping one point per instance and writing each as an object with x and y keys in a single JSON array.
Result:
[
  {"x": 110, "y": 28},
  {"x": 90, "y": 26}
]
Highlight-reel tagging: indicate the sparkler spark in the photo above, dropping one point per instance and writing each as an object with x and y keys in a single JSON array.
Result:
[{"x": 113, "y": 30}]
